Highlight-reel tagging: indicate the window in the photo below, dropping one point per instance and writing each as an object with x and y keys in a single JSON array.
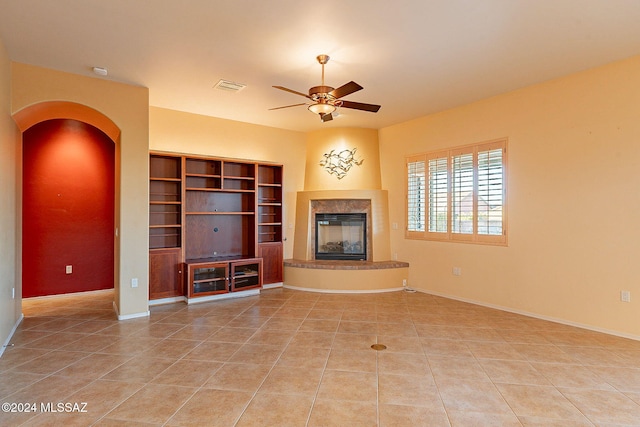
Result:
[
  {"x": 417, "y": 204},
  {"x": 458, "y": 194}
]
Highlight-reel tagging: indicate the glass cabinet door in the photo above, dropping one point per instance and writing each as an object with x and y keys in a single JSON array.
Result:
[
  {"x": 209, "y": 279},
  {"x": 246, "y": 274}
]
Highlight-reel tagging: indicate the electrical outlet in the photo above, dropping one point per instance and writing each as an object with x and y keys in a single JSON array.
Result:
[
  {"x": 457, "y": 271},
  {"x": 395, "y": 256},
  {"x": 68, "y": 269},
  {"x": 404, "y": 283},
  {"x": 394, "y": 225},
  {"x": 13, "y": 293},
  {"x": 625, "y": 296},
  {"x": 134, "y": 283}
]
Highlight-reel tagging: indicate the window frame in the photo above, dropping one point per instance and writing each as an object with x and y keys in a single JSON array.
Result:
[{"x": 426, "y": 233}]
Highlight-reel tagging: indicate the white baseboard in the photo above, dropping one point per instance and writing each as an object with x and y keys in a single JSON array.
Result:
[
  {"x": 342, "y": 291},
  {"x": 13, "y": 331},
  {"x": 272, "y": 285},
  {"x": 229, "y": 295},
  {"x": 163, "y": 301},
  {"x": 536, "y": 316},
  {"x": 71, "y": 294},
  {"x": 130, "y": 316}
]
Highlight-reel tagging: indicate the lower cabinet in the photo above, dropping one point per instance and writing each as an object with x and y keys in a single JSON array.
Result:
[
  {"x": 246, "y": 274},
  {"x": 208, "y": 279},
  {"x": 165, "y": 273},
  {"x": 212, "y": 276},
  {"x": 272, "y": 256}
]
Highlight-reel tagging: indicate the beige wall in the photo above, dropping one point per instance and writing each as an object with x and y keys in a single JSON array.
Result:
[
  {"x": 128, "y": 107},
  {"x": 179, "y": 132},
  {"x": 573, "y": 188},
  {"x": 10, "y": 309},
  {"x": 363, "y": 177}
]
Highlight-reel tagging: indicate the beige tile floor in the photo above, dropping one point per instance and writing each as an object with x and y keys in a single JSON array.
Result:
[{"x": 290, "y": 358}]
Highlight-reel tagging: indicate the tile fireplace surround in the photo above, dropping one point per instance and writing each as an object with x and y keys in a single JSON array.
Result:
[
  {"x": 378, "y": 273},
  {"x": 341, "y": 206}
]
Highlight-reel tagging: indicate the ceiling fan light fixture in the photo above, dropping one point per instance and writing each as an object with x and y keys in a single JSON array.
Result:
[
  {"x": 326, "y": 99},
  {"x": 321, "y": 108}
]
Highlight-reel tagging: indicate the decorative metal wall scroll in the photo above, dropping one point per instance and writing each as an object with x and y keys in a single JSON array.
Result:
[{"x": 339, "y": 163}]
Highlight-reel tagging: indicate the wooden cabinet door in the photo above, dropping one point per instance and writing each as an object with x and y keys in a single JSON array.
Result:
[
  {"x": 246, "y": 274},
  {"x": 271, "y": 254},
  {"x": 207, "y": 278},
  {"x": 165, "y": 275}
]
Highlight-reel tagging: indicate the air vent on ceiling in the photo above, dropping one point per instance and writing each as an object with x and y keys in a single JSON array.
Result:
[{"x": 229, "y": 86}]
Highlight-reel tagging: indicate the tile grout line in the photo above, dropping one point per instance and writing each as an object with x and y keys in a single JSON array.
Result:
[
  {"x": 609, "y": 370},
  {"x": 255, "y": 393},
  {"x": 324, "y": 369}
]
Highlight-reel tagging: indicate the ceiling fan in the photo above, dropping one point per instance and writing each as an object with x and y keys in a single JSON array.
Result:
[{"x": 326, "y": 99}]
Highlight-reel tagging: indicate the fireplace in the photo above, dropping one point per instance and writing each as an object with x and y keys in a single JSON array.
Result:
[{"x": 341, "y": 236}]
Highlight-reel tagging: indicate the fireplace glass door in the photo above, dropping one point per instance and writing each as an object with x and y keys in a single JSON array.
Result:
[{"x": 341, "y": 236}]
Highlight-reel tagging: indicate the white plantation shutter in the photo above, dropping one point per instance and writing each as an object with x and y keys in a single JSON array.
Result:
[
  {"x": 490, "y": 192},
  {"x": 461, "y": 193},
  {"x": 416, "y": 201},
  {"x": 438, "y": 193}
]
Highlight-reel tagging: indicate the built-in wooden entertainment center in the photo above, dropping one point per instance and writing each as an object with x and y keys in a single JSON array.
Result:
[{"x": 215, "y": 225}]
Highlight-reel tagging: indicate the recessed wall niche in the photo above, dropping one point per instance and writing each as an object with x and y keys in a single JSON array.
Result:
[{"x": 68, "y": 208}]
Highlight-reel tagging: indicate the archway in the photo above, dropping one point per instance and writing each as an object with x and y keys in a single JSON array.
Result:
[{"x": 70, "y": 123}]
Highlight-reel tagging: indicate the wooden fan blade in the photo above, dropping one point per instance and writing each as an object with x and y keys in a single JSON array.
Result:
[
  {"x": 360, "y": 106},
  {"x": 287, "y": 106},
  {"x": 345, "y": 90},
  {"x": 326, "y": 117},
  {"x": 292, "y": 91}
]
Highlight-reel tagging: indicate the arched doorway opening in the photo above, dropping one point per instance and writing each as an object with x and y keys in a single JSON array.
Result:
[
  {"x": 69, "y": 203},
  {"x": 67, "y": 208}
]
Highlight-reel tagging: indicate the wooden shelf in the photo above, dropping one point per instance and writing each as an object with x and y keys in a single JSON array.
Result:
[
  {"x": 270, "y": 214},
  {"x": 164, "y": 235},
  {"x": 154, "y": 202},
  {"x": 215, "y": 210},
  {"x": 207, "y": 277},
  {"x": 219, "y": 190},
  {"x": 220, "y": 213},
  {"x": 203, "y": 175},
  {"x": 164, "y": 179},
  {"x": 245, "y": 178},
  {"x": 165, "y": 228}
]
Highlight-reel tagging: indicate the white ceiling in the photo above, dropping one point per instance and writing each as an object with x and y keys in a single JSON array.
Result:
[{"x": 414, "y": 57}]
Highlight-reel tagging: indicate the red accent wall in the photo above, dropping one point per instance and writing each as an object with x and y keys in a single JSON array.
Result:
[{"x": 68, "y": 208}]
